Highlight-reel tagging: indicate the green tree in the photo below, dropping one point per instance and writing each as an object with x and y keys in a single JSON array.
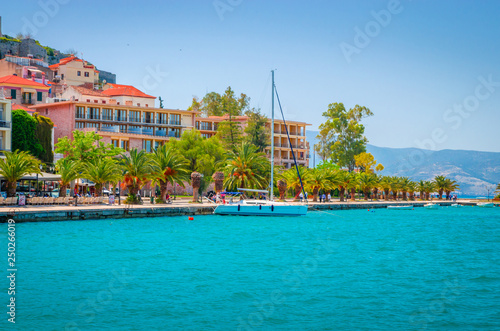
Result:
[
  {"x": 43, "y": 134},
  {"x": 69, "y": 171},
  {"x": 498, "y": 191},
  {"x": 256, "y": 132},
  {"x": 85, "y": 146},
  {"x": 23, "y": 133},
  {"x": 450, "y": 186},
  {"x": 366, "y": 182},
  {"x": 215, "y": 104},
  {"x": 169, "y": 167},
  {"x": 344, "y": 133},
  {"x": 293, "y": 180},
  {"x": 14, "y": 166},
  {"x": 246, "y": 168},
  {"x": 367, "y": 163},
  {"x": 101, "y": 171},
  {"x": 320, "y": 179},
  {"x": 440, "y": 183},
  {"x": 137, "y": 167},
  {"x": 385, "y": 185}
]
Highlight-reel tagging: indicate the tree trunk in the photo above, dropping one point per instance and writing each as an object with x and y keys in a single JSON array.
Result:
[
  {"x": 353, "y": 194},
  {"x": 315, "y": 194},
  {"x": 282, "y": 186},
  {"x": 298, "y": 189},
  {"x": 163, "y": 191},
  {"x": 404, "y": 195},
  {"x": 11, "y": 189},
  {"x": 62, "y": 191},
  {"x": 386, "y": 195},
  {"x": 375, "y": 193},
  {"x": 341, "y": 193},
  {"x": 365, "y": 193}
]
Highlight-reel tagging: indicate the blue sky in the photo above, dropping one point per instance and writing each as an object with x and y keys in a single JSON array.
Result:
[{"x": 428, "y": 70}]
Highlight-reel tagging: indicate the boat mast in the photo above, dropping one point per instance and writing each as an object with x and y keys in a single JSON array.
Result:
[{"x": 271, "y": 188}]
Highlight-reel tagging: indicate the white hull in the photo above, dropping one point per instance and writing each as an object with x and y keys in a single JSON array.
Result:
[
  {"x": 400, "y": 207},
  {"x": 261, "y": 209},
  {"x": 486, "y": 204},
  {"x": 431, "y": 206}
]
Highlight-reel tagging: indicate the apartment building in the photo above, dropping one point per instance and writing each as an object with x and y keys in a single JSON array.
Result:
[
  {"x": 282, "y": 148},
  {"x": 24, "y": 91},
  {"x": 124, "y": 125},
  {"x": 74, "y": 71},
  {"x": 5, "y": 124}
]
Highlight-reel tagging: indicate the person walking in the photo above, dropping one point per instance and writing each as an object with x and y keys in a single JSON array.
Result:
[
  {"x": 324, "y": 197},
  {"x": 329, "y": 197}
]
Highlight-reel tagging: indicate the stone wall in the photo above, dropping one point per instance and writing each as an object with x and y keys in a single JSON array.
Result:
[
  {"x": 9, "y": 47},
  {"x": 29, "y": 46}
]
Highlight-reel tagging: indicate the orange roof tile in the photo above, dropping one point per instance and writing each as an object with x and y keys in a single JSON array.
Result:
[
  {"x": 86, "y": 91},
  {"x": 65, "y": 61},
  {"x": 18, "y": 106},
  {"x": 11, "y": 79},
  {"x": 125, "y": 90}
]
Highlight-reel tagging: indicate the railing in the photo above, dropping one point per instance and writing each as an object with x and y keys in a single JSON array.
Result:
[
  {"x": 107, "y": 117},
  {"x": 93, "y": 118},
  {"x": 121, "y": 119},
  {"x": 4, "y": 124},
  {"x": 134, "y": 119},
  {"x": 149, "y": 121},
  {"x": 28, "y": 101},
  {"x": 114, "y": 128},
  {"x": 80, "y": 116},
  {"x": 161, "y": 122},
  {"x": 174, "y": 123}
]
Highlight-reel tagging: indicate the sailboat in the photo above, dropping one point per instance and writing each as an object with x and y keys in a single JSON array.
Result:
[{"x": 269, "y": 207}]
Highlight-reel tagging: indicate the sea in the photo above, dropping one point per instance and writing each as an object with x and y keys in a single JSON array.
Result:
[{"x": 364, "y": 269}]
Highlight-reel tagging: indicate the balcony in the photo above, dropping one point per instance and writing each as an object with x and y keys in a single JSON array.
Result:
[
  {"x": 107, "y": 117},
  {"x": 161, "y": 121},
  {"x": 134, "y": 119},
  {"x": 4, "y": 124},
  {"x": 121, "y": 118},
  {"x": 113, "y": 128},
  {"x": 28, "y": 101},
  {"x": 80, "y": 116}
]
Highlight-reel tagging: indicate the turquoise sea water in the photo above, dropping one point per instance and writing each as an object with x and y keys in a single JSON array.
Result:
[{"x": 342, "y": 270}]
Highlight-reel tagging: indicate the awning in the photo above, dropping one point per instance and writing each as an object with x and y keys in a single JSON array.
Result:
[
  {"x": 42, "y": 177},
  {"x": 28, "y": 90}
]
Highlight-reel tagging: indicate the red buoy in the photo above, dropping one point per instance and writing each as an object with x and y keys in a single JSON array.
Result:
[{"x": 191, "y": 218}]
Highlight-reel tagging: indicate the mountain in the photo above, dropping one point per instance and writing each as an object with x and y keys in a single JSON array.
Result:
[{"x": 476, "y": 172}]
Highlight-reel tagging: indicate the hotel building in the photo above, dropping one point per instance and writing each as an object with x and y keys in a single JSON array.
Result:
[{"x": 5, "y": 124}]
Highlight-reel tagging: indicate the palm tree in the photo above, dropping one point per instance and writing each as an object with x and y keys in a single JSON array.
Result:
[
  {"x": 421, "y": 189},
  {"x": 136, "y": 167},
  {"x": 395, "y": 183},
  {"x": 16, "y": 165},
  {"x": 218, "y": 178},
  {"x": 320, "y": 180},
  {"x": 429, "y": 187},
  {"x": 100, "y": 171},
  {"x": 385, "y": 185},
  {"x": 168, "y": 167},
  {"x": 245, "y": 167},
  {"x": 405, "y": 183},
  {"x": 282, "y": 186},
  {"x": 294, "y": 181},
  {"x": 365, "y": 182},
  {"x": 450, "y": 186},
  {"x": 196, "y": 178},
  {"x": 69, "y": 171},
  {"x": 412, "y": 187},
  {"x": 440, "y": 183},
  {"x": 343, "y": 178},
  {"x": 498, "y": 191}
]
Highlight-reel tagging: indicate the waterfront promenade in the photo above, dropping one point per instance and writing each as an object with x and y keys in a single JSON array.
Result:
[{"x": 179, "y": 207}]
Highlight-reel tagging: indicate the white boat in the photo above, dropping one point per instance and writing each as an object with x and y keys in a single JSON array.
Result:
[
  {"x": 486, "y": 204},
  {"x": 456, "y": 205},
  {"x": 407, "y": 207},
  {"x": 263, "y": 207},
  {"x": 431, "y": 206}
]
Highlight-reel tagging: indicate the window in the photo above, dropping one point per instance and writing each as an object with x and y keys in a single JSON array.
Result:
[
  {"x": 135, "y": 116},
  {"x": 39, "y": 96},
  {"x": 115, "y": 142},
  {"x": 123, "y": 128},
  {"x": 94, "y": 113},
  {"x": 147, "y": 145},
  {"x": 107, "y": 114},
  {"x": 121, "y": 115},
  {"x": 92, "y": 125},
  {"x": 161, "y": 118},
  {"x": 62, "y": 76},
  {"x": 124, "y": 145},
  {"x": 80, "y": 112},
  {"x": 86, "y": 74},
  {"x": 79, "y": 125},
  {"x": 13, "y": 94},
  {"x": 175, "y": 119},
  {"x": 78, "y": 73},
  {"x": 148, "y": 117}
]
